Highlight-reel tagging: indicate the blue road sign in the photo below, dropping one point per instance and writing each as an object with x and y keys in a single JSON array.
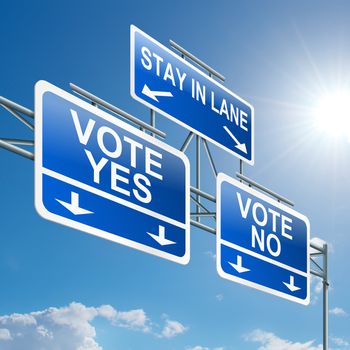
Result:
[
  {"x": 167, "y": 83},
  {"x": 261, "y": 243},
  {"x": 98, "y": 174}
]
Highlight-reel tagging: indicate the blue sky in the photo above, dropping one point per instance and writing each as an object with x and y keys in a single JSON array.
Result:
[{"x": 59, "y": 284}]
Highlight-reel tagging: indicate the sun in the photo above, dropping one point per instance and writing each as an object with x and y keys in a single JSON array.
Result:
[{"x": 332, "y": 113}]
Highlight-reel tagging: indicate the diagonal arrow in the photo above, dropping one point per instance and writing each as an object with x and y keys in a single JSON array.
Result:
[
  {"x": 73, "y": 206},
  {"x": 154, "y": 94},
  {"x": 291, "y": 286},
  {"x": 241, "y": 146},
  {"x": 160, "y": 237},
  {"x": 239, "y": 267}
]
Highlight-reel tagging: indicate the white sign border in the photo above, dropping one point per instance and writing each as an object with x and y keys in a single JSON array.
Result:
[
  {"x": 133, "y": 30},
  {"x": 225, "y": 178},
  {"x": 42, "y": 87}
]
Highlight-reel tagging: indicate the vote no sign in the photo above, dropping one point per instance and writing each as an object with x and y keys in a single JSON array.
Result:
[
  {"x": 261, "y": 243},
  {"x": 98, "y": 174}
]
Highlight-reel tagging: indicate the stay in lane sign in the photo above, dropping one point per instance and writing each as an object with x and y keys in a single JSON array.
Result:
[
  {"x": 167, "y": 83},
  {"x": 261, "y": 243},
  {"x": 98, "y": 174}
]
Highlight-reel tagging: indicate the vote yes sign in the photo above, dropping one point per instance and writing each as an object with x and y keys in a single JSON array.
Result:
[
  {"x": 98, "y": 174},
  {"x": 261, "y": 243}
]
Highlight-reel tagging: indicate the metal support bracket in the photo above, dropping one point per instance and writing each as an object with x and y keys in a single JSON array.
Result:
[{"x": 10, "y": 144}]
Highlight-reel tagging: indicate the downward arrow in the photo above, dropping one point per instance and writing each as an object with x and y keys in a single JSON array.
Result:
[
  {"x": 73, "y": 206},
  {"x": 154, "y": 94},
  {"x": 241, "y": 146},
  {"x": 238, "y": 267},
  {"x": 291, "y": 286},
  {"x": 160, "y": 237}
]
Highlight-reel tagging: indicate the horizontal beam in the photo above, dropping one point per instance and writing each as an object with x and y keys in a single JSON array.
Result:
[
  {"x": 203, "y": 194},
  {"x": 18, "y": 141},
  {"x": 199, "y": 204},
  {"x": 17, "y": 150},
  {"x": 203, "y": 227},
  {"x": 116, "y": 110},
  {"x": 17, "y": 107},
  {"x": 204, "y": 214},
  {"x": 197, "y": 60},
  {"x": 317, "y": 247},
  {"x": 316, "y": 273},
  {"x": 265, "y": 189}
]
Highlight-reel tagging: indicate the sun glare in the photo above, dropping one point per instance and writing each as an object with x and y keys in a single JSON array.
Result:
[{"x": 332, "y": 114}]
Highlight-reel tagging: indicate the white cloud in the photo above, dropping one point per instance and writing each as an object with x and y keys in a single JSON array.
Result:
[
  {"x": 107, "y": 311},
  {"x": 44, "y": 332},
  {"x": 219, "y": 297},
  {"x": 20, "y": 319},
  {"x": 5, "y": 334},
  {"x": 172, "y": 328},
  {"x": 337, "y": 311},
  {"x": 134, "y": 319},
  {"x": 211, "y": 255},
  {"x": 317, "y": 241},
  {"x": 320, "y": 242},
  {"x": 340, "y": 341},
  {"x": 270, "y": 341},
  {"x": 70, "y": 327},
  {"x": 66, "y": 328},
  {"x": 316, "y": 289}
]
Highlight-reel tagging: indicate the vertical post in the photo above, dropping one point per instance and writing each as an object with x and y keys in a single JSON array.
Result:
[
  {"x": 241, "y": 169},
  {"x": 153, "y": 120},
  {"x": 241, "y": 166},
  {"x": 198, "y": 172},
  {"x": 325, "y": 296}
]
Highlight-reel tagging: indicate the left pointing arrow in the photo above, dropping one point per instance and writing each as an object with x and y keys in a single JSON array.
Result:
[
  {"x": 154, "y": 94},
  {"x": 73, "y": 206}
]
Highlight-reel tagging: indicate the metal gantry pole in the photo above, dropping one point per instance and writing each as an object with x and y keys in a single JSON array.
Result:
[
  {"x": 322, "y": 272},
  {"x": 20, "y": 151},
  {"x": 153, "y": 120},
  {"x": 241, "y": 167},
  {"x": 10, "y": 144},
  {"x": 325, "y": 297},
  {"x": 198, "y": 173},
  {"x": 16, "y": 107},
  {"x": 210, "y": 157}
]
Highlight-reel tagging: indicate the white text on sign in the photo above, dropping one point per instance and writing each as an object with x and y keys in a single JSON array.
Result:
[
  {"x": 120, "y": 174},
  {"x": 281, "y": 225},
  {"x": 152, "y": 61}
]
